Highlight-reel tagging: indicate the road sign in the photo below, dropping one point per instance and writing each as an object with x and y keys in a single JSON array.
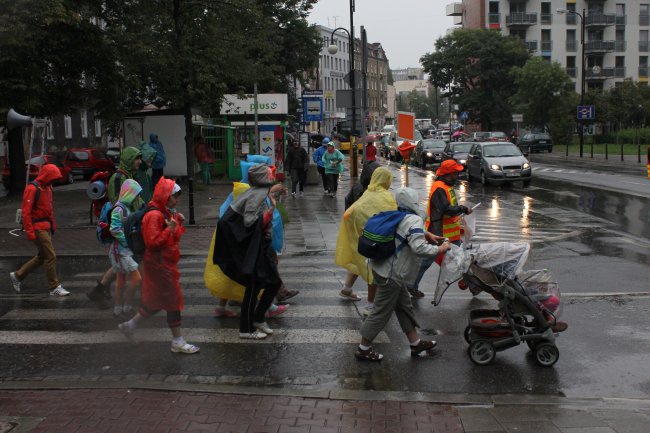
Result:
[
  {"x": 517, "y": 118},
  {"x": 586, "y": 112},
  {"x": 406, "y": 125},
  {"x": 312, "y": 107},
  {"x": 464, "y": 115}
]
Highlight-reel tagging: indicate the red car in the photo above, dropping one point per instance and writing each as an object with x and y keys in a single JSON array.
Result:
[
  {"x": 86, "y": 162},
  {"x": 35, "y": 164}
]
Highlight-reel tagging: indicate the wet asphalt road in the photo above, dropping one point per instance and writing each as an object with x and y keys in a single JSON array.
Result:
[{"x": 592, "y": 240}]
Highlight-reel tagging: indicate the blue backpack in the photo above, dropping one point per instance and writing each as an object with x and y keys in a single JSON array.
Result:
[{"x": 377, "y": 241}]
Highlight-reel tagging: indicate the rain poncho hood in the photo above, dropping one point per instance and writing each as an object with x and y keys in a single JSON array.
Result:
[
  {"x": 160, "y": 160},
  {"x": 48, "y": 174},
  {"x": 128, "y": 155},
  {"x": 376, "y": 199},
  {"x": 147, "y": 151},
  {"x": 129, "y": 192},
  {"x": 251, "y": 203},
  {"x": 407, "y": 200},
  {"x": 161, "y": 194}
]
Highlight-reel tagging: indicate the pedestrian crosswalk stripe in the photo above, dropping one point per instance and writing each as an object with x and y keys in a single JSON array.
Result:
[{"x": 194, "y": 335}]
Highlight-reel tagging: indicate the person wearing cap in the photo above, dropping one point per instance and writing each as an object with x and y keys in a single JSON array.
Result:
[
  {"x": 333, "y": 163},
  {"x": 162, "y": 228},
  {"x": 393, "y": 275},
  {"x": 318, "y": 159}
]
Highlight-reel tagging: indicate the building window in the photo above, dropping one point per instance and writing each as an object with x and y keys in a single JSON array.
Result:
[
  {"x": 644, "y": 14},
  {"x": 67, "y": 121},
  {"x": 49, "y": 130},
  {"x": 571, "y": 66},
  {"x": 98, "y": 128},
  {"x": 643, "y": 40},
  {"x": 547, "y": 15},
  {"x": 571, "y": 42},
  {"x": 84, "y": 123},
  {"x": 643, "y": 66}
]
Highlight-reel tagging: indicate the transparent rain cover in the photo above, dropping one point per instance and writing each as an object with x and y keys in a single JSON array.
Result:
[{"x": 504, "y": 259}]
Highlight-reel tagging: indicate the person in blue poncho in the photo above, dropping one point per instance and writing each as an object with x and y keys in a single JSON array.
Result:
[
  {"x": 318, "y": 159},
  {"x": 159, "y": 161}
]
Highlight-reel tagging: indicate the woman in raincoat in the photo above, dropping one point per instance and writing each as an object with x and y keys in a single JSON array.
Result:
[
  {"x": 375, "y": 199},
  {"x": 162, "y": 229}
]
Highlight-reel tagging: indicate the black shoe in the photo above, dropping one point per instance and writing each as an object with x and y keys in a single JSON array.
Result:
[
  {"x": 423, "y": 346},
  {"x": 99, "y": 299}
]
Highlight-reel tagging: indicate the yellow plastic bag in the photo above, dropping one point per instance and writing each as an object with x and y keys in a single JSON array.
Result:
[{"x": 217, "y": 283}]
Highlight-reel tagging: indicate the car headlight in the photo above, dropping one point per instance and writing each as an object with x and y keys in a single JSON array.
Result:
[
  {"x": 429, "y": 154},
  {"x": 495, "y": 167},
  {"x": 462, "y": 161},
  {"x": 526, "y": 166}
]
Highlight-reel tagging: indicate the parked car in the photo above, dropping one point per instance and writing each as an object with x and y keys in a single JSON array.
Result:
[
  {"x": 536, "y": 142},
  {"x": 429, "y": 151},
  {"x": 458, "y": 152},
  {"x": 443, "y": 134},
  {"x": 479, "y": 136},
  {"x": 35, "y": 164},
  {"x": 496, "y": 136},
  {"x": 86, "y": 161},
  {"x": 498, "y": 162}
]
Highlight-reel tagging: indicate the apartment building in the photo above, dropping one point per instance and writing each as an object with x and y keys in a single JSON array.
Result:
[{"x": 616, "y": 34}]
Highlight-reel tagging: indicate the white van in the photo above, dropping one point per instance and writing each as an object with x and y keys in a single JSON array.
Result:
[{"x": 388, "y": 130}]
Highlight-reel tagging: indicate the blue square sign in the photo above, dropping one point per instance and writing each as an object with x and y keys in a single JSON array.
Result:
[{"x": 586, "y": 112}]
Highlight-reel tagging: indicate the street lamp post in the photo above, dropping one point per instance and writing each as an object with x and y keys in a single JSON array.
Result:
[
  {"x": 333, "y": 49},
  {"x": 582, "y": 68}
]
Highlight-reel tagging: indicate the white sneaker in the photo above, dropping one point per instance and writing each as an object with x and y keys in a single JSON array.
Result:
[
  {"x": 367, "y": 311},
  {"x": 256, "y": 335},
  {"x": 263, "y": 327},
  {"x": 293, "y": 194},
  {"x": 186, "y": 348},
  {"x": 59, "y": 291},
  {"x": 15, "y": 281}
]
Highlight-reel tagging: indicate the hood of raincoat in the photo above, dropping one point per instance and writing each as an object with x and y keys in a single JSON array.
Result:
[
  {"x": 147, "y": 151},
  {"x": 128, "y": 155},
  {"x": 161, "y": 194},
  {"x": 251, "y": 203},
  {"x": 129, "y": 191},
  {"x": 48, "y": 174},
  {"x": 153, "y": 137},
  {"x": 407, "y": 200},
  {"x": 381, "y": 179}
]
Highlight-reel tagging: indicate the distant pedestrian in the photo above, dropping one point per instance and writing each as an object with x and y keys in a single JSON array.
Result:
[
  {"x": 205, "y": 158},
  {"x": 318, "y": 159},
  {"x": 39, "y": 225},
  {"x": 376, "y": 199},
  {"x": 243, "y": 250},
  {"x": 162, "y": 228},
  {"x": 160, "y": 161},
  {"x": 333, "y": 163},
  {"x": 393, "y": 276},
  {"x": 360, "y": 187},
  {"x": 130, "y": 160},
  {"x": 143, "y": 173},
  {"x": 121, "y": 257},
  {"x": 297, "y": 163}
]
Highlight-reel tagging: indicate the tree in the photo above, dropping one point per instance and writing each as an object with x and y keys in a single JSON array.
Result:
[
  {"x": 477, "y": 65},
  {"x": 549, "y": 103},
  {"x": 420, "y": 105}
]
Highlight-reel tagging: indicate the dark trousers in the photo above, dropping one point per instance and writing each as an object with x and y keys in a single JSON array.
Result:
[
  {"x": 298, "y": 177},
  {"x": 253, "y": 310},
  {"x": 333, "y": 182},
  {"x": 156, "y": 174},
  {"x": 323, "y": 176}
]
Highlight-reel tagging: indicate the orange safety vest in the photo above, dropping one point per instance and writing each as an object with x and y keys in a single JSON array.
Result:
[{"x": 450, "y": 225}]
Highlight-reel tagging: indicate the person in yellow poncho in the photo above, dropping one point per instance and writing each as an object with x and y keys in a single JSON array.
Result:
[{"x": 375, "y": 199}]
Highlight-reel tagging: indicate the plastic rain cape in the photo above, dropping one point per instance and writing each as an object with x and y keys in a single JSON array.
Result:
[
  {"x": 376, "y": 199},
  {"x": 504, "y": 259}
]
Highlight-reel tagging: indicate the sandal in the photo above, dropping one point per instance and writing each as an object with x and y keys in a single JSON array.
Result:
[
  {"x": 185, "y": 348},
  {"x": 423, "y": 346},
  {"x": 368, "y": 355},
  {"x": 416, "y": 294},
  {"x": 350, "y": 296},
  {"x": 224, "y": 312}
]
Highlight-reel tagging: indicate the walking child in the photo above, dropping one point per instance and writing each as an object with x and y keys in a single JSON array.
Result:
[{"x": 162, "y": 229}]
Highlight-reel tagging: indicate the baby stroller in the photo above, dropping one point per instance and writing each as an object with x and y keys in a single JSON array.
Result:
[{"x": 529, "y": 301}]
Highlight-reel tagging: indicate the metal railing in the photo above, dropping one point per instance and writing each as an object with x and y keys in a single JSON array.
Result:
[
  {"x": 572, "y": 46},
  {"x": 600, "y": 73},
  {"x": 546, "y": 19},
  {"x": 571, "y": 72},
  {"x": 531, "y": 45},
  {"x": 643, "y": 71},
  {"x": 620, "y": 46},
  {"x": 644, "y": 46},
  {"x": 621, "y": 20},
  {"x": 644, "y": 20},
  {"x": 547, "y": 46},
  {"x": 599, "y": 19},
  {"x": 571, "y": 19},
  {"x": 599, "y": 46},
  {"x": 521, "y": 19},
  {"x": 494, "y": 18}
]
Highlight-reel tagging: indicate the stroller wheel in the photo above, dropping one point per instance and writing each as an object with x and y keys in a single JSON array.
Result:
[
  {"x": 546, "y": 354},
  {"x": 467, "y": 334},
  {"x": 481, "y": 352}
]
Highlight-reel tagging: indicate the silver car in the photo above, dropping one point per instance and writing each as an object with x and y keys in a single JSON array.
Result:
[{"x": 498, "y": 162}]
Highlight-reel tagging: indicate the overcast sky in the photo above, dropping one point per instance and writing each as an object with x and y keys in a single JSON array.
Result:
[{"x": 406, "y": 29}]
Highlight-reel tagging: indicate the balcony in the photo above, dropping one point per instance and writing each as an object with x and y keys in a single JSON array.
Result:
[
  {"x": 521, "y": 19},
  {"x": 531, "y": 45},
  {"x": 571, "y": 72},
  {"x": 597, "y": 73},
  {"x": 571, "y": 46},
  {"x": 454, "y": 9},
  {"x": 546, "y": 19},
  {"x": 599, "y": 46},
  {"x": 621, "y": 20},
  {"x": 600, "y": 20},
  {"x": 547, "y": 46},
  {"x": 643, "y": 71},
  {"x": 644, "y": 46},
  {"x": 644, "y": 20}
]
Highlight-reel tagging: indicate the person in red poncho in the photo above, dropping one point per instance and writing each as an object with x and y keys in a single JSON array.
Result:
[
  {"x": 162, "y": 228},
  {"x": 39, "y": 225}
]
